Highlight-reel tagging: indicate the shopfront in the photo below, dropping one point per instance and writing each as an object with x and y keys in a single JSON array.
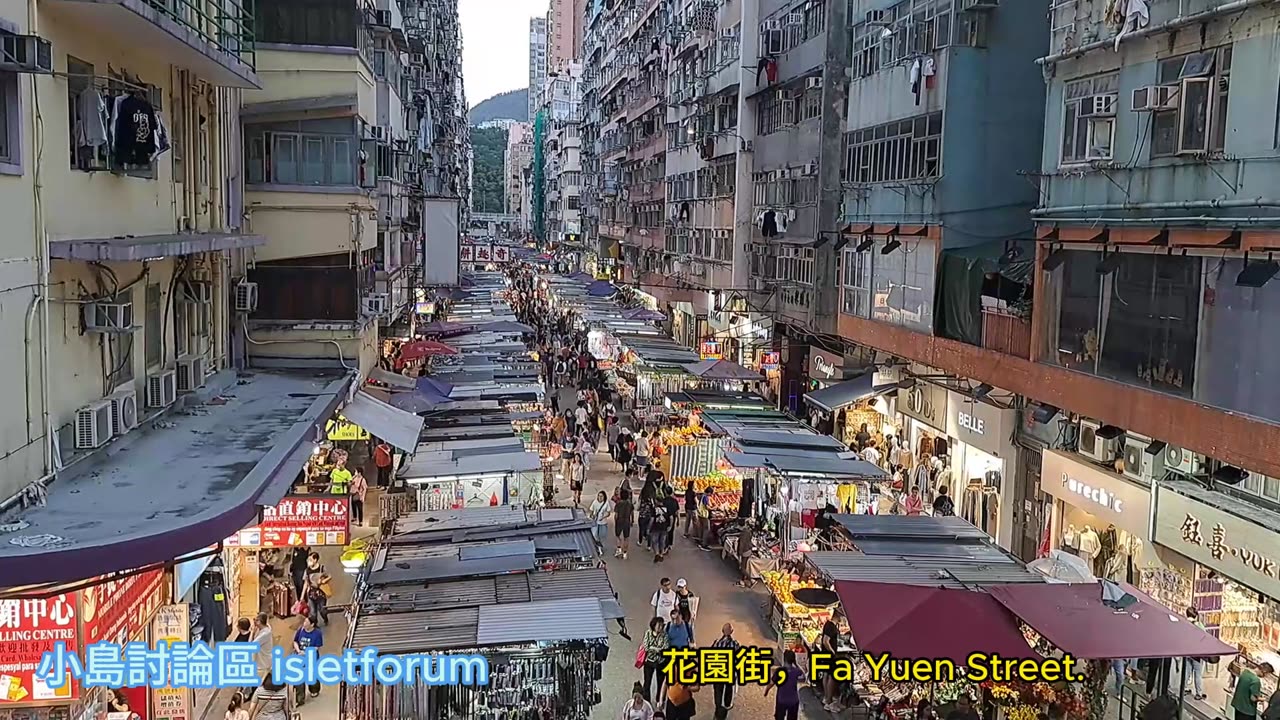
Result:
[
  {"x": 1226, "y": 567},
  {"x": 981, "y": 455},
  {"x": 841, "y": 399},
  {"x": 921, "y": 450},
  {"x": 1098, "y": 516}
]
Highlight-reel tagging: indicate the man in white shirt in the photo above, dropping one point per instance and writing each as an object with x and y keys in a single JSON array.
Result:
[
  {"x": 664, "y": 600},
  {"x": 265, "y": 639},
  {"x": 642, "y": 451},
  {"x": 581, "y": 414},
  {"x": 872, "y": 454}
]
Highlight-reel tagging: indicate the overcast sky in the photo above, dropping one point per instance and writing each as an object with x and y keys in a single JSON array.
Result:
[{"x": 495, "y": 55}]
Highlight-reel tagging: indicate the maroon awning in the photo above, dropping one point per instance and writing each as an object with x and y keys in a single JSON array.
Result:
[
  {"x": 1075, "y": 620},
  {"x": 911, "y": 621}
]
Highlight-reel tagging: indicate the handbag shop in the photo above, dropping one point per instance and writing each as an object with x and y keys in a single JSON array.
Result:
[
  {"x": 133, "y": 608},
  {"x": 1224, "y": 564}
]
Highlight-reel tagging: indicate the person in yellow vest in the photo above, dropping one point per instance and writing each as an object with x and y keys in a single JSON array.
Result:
[{"x": 340, "y": 479}]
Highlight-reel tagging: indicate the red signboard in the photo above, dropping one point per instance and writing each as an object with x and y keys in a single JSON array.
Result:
[
  {"x": 119, "y": 611},
  {"x": 300, "y": 520},
  {"x": 30, "y": 627}
]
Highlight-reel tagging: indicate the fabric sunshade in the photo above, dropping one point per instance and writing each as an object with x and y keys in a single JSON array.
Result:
[
  {"x": 396, "y": 426},
  {"x": 913, "y": 621},
  {"x": 843, "y": 394},
  {"x": 1074, "y": 619}
]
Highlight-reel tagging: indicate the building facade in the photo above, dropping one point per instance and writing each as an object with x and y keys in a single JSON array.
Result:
[
  {"x": 563, "y": 163},
  {"x": 538, "y": 60}
]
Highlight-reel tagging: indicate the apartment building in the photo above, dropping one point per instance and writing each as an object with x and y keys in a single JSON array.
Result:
[
  {"x": 565, "y": 20},
  {"x": 563, "y": 164},
  {"x": 537, "y": 63},
  {"x": 357, "y": 123},
  {"x": 518, "y": 155}
]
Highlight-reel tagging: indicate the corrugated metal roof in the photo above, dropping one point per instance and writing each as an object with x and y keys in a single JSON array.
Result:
[
  {"x": 512, "y": 588},
  {"x": 417, "y": 631},
  {"x": 459, "y": 518},
  {"x": 589, "y": 582},
  {"x": 904, "y": 527},
  {"x": 939, "y": 549},
  {"x": 472, "y": 592},
  {"x": 496, "y": 550},
  {"x": 939, "y": 572},
  {"x": 811, "y": 464},
  {"x": 445, "y": 568},
  {"x": 785, "y": 439},
  {"x": 549, "y": 621}
]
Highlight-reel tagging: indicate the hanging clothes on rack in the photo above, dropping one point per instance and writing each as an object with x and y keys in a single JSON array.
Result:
[
  {"x": 921, "y": 478},
  {"x": 769, "y": 224},
  {"x": 917, "y": 68},
  {"x": 91, "y": 130},
  {"x": 134, "y": 131}
]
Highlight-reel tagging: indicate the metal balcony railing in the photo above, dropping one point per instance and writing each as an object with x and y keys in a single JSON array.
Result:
[{"x": 226, "y": 26}]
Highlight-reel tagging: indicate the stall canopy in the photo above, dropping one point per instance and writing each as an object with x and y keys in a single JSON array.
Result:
[
  {"x": 644, "y": 314},
  {"x": 721, "y": 370},
  {"x": 431, "y": 386},
  {"x": 1075, "y": 619},
  {"x": 601, "y": 288},
  {"x": 425, "y": 348},
  {"x": 843, "y": 394},
  {"x": 469, "y": 465},
  {"x": 396, "y": 426},
  {"x": 391, "y": 380},
  {"x": 912, "y": 621},
  {"x": 504, "y": 326},
  {"x": 419, "y": 402},
  {"x": 801, "y": 465}
]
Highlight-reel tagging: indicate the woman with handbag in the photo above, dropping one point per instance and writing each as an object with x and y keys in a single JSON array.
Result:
[
  {"x": 649, "y": 657},
  {"x": 319, "y": 589}
]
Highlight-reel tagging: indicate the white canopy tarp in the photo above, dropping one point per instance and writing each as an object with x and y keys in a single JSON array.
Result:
[
  {"x": 386, "y": 421},
  {"x": 420, "y": 471}
]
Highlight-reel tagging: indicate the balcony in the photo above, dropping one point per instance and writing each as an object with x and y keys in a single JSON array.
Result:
[
  {"x": 1005, "y": 332},
  {"x": 214, "y": 41}
]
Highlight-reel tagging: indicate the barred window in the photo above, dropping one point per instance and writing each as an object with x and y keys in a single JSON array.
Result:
[{"x": 893, "y": 152}]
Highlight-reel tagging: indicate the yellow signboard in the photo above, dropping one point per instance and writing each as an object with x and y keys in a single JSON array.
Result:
[{"x": 344, "y": 429}]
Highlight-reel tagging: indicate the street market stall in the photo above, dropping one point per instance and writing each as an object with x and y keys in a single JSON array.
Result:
[{"x": 474, "y": 477}]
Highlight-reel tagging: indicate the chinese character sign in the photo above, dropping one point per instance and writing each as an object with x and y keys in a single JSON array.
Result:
[
  {"x": 172, "y": 625},
  {"x": 118, "y": 610},
  {"x": 30, "y": 627},
  {"x": 501, "y": 253},
  {"x": 1234, "y": 546},
  {"x": 466, "y": 253},
  {"x": 300, "y": 520}
]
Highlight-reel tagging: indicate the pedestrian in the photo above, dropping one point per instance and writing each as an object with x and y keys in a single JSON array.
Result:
[
  {"x": 1248, "y": 692},
  {"x": 678, "y": 635},
  {"x": 601, "y": 511},
  {"x": 642, "y": 449},
  {"x": 672, "y": 508},
  {"x": 862, "y": 437},
  {"x": 943, "y": 505},
  {"x": 913, "y": 504},
  {"x": 264, "y": 638},
  {"x": 690, "y": 506},
  {"x": 318, "y": 589},
  {"x": 271, "y": 701},
  {"x": 723, "y": 692},
  {"x": 243, "y": 630},
  {"x": 236, "y": 709},
  {"x": 664, "y": 599},
  {"x": 702, "y": 523},
  {"x": 680, "y": 703},
  {"x": 1195, "y": 666},
  {"x": 382, "y": 461},
  {"x": 787, "y": 704},
  {"x": 304, "y": 638},
  {"x": 623, "y": 513},
  {"x": 686, "y": 603},
  {"x": 654, "y": 644},
  {"x": 660, "y": 531},
  {"x": 637, "y": 708},
  {"x": 625, "y": 443},
  {"x": 645, "y": 514},
  {"x": 746, "y": 549},
  {"x": 359, "y": 486},
  {"x": 1273, "y": 707},
  {"x": 872, "y": 454},
  {"x": 829, "y": 641},
  {"x": 298, "y": 570},
  {"x": 964, "y": 709}
]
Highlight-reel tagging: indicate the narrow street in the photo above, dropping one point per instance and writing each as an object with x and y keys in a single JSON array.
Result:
[{"x": 721, "y": 601}]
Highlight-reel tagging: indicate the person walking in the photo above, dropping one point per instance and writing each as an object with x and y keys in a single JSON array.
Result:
[
  {"x": 625, "y": 444},
  {"x": 306, "y": 637},
  {"x": 660, "y": 526},
  {"x": 382, "y": 461},
  {"x": 678, "y": 635},
  {"x": 686, "y": 603},
  {"x": 601, "y": 511},
  {"x": 913, "y": 504},
  {"x": 654, "y": 644},
  {"x": 623, "y": 514},
  {"x": 724, "y": 692},
  {"x": 359, "y": 486},
  {"x": 642, "y": 449},
  {"x": 690, "y": 506},
  {"x": 787, "y": 703},
  {"x": 611, "y": 435},
  {"x": 1248, "y": 692},
  {"x": 672, "y": 508},
  {"x": 271, "y": 701},
  {"x": 1195, "y": 666},
  {"x": 943, "y": 505},
  {"x": 264, "y": 638},
  {"x": 637, "y": 708},
  {"x": 664, "y": 599}
]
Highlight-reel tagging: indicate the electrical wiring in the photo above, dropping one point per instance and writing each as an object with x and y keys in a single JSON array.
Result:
[{"x": 245, "y": 324}]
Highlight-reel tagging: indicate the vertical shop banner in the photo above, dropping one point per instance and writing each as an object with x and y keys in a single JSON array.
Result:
[
  {"x": 711, "y": 350},
  {"x": 484, "y": 253},
  {"x": 29, "y": 627},
  {"x": 501, "y": 253},
  {"x": 172, "y": 624},
  {"x": 300, "y": 520},
  {"x": 466, "y": 253},
  {"x": 120, "y": 610}
]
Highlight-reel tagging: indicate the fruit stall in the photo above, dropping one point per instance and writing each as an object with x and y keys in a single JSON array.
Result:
[{"x": 799, "y": 605}]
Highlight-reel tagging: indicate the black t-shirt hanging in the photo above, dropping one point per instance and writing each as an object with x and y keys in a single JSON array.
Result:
[{"x": 135, "y": 127}]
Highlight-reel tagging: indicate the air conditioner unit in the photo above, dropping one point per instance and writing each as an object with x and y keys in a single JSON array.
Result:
[
  {"x": 25, "y": 54},
  {"x": 1140, "y": 462},
  {"x": 812, "y": 83},
  {"x": 162, "y": 389},
  {"x": 1099, "y": 105},
  {"x": 773, "y": 42},
  {"x": 727, "y": 33},
  {"x": 94, "y": 425},
  {"x": 198, "y": 292},
  {"x": 124, "y": 410},
  {"x": 246, "y": 296},
  {"x": 376, "y": 304},
  {"x": 771, "y": 25},
  {"x": 795, "y": 18},
  {"x": 377, "y": 132},
  {"x": 108, "y": 317},
  {"x": 782, "y": 95},
  {"x": 1155, "y": 97},
  {"x": 190, "y": 372},
  {"x": 1094, "y": 446},
  {"x": 1180, "y": 460}
]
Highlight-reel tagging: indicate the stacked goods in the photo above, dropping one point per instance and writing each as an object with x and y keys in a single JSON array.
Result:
[{"x": 724, "y": 503}]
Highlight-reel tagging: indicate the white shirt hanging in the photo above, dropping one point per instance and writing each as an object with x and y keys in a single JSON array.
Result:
[{"x": 91, "y": 131}]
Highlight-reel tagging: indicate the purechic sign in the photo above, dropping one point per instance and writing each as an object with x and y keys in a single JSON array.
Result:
[
  {"x": 825, "y": 366},
  {"x": 1110, "y": 498}
]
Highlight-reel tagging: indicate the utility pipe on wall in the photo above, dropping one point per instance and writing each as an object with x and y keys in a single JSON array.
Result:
[{"x": 1174, "y": 205}]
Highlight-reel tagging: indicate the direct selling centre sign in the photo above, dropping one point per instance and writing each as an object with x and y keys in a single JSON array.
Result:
[
  {"x": 300, "y": 520},
  {"x": 30, "y": 627}
]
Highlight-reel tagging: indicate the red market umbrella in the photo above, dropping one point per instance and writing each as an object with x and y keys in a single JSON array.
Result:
[
  {"x": 916, "y": 621},
  {"x": 425, "y": 348}
]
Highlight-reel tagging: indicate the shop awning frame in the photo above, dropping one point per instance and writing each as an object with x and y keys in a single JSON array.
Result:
[
  {"x": 383, "y": 420},
  {"x": 812, "y": 465},
  {"x": 841, "y": 395}
]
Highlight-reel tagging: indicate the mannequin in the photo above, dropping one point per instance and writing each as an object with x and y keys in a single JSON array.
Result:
[
  {"x": 1071, "y": 537},
  {"x": 1090, "y": 545}
]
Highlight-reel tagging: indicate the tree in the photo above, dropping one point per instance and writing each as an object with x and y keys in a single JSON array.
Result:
[{"x": 488, "y": 191}]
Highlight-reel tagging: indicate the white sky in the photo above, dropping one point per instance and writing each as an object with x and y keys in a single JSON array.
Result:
[{"x": 495, "y": 55}]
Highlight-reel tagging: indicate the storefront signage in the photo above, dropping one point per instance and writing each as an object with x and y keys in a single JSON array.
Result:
[
  {"x": 711, "y": 350},
  {"x": 972, "y": 423},
  {"x": 341, "y": 428},
  {"x": 30, "y": 627},
  {"x": 501, "y": 253},
  {"x": 978, "y": 424},
  {"x": 770, "y": 360},
  {"x": 1242, "y": 550},
  {"x": 825, "y": 366},
  {"x": 1109, "y": 497},
  {"x": 466, "y": 253},
  {"x": 484, "y": 253},
  {"x": 924, "y": 402},
  {"x": 119, "y": 611},
  {"x": 300, "y": 520},
  {"x": 172, "y": 624}
]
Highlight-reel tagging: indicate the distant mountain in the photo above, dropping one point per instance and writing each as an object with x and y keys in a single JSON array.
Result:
[{"x": 512, "y": 105}]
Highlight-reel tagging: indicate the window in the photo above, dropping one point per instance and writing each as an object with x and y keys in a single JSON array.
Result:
[
  {"x": 10, "y": 121},
  {"x": 917, "y": 27},
  {"x": 795, "y": 264},
  {"x": 312, "y": 152},
  {"x": 902, "y": 284},
  {"x": 894, "y": 152},
  {"x": 153, "y": 334},
  {"x": 1089, "y": 119},
  {"x": 306, "y": 22},
  {"x": 776, "y": 112},
  {"x": 119, "y": 367},
  {"x": 856, "y": 298},
  {"x": 1199, "y": 123},
  {"x": 573, "y": 202}
]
